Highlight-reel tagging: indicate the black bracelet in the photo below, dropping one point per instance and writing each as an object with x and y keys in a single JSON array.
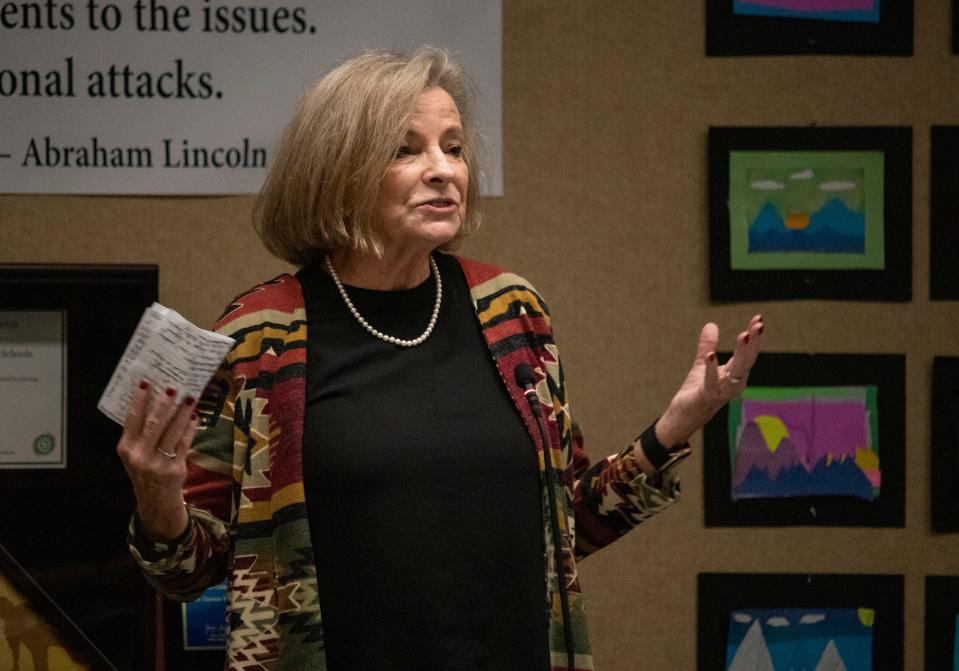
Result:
[{"x": 660, "y": 456}]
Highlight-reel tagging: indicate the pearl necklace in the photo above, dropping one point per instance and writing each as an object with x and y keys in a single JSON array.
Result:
[{"x": 379, "y": 334}]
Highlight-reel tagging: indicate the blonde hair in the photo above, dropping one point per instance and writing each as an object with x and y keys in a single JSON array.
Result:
[{"x": 320, "y": 190}]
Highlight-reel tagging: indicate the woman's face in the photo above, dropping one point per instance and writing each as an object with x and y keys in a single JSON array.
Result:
[{"x": 421, "y": 201}]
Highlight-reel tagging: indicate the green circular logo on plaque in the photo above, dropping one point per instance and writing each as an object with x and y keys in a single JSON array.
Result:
[{"x": 44, "y": 444}]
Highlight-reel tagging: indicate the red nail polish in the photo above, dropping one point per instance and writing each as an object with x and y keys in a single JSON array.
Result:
[
  {"x": 171, "y": 392},
  {"x": 189, "y": 401},
  {"x": 144, "y": 384},
  {"x": 711, "y": 357},
  {"x": 193, "y": 417},
  {"x": 760, "y": 331},
  {"x": 746, "y": 339}
]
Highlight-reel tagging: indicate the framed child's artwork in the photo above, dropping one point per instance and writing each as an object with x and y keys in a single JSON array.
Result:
[
  {"x": 780, "y": 622},
  {"x": 815, "y": 439},
  {"x": 944, "y": 214},
  {"x": 821, "y": 213},
  {"x": 945, "y": 444},
  {"x": 774, "y": 27},
  {"x": 942, "y": 623}
]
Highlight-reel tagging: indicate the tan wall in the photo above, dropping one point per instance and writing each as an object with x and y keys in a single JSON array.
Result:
[{"x": 606, "y": 108}]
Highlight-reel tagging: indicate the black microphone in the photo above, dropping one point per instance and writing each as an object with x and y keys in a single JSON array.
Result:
[
  {"x": 524, "y": 378},
  {"x": 523, "y": 374}
]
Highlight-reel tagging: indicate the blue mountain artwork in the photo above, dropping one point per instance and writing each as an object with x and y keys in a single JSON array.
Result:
[
  {"x": 833, "y": 229},
  {"x": 839, "y": 478},
  {"x": 800, "y": 639}
]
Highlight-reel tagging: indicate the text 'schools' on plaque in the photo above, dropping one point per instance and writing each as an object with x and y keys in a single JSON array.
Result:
[{"x": 33, "y": 389}]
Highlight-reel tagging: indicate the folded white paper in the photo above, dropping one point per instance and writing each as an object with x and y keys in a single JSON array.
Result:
[{"x": 167, "y": 351}]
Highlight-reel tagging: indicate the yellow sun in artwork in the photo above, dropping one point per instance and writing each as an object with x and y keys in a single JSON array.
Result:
[
  {"x": 772, "y": 429},
  {"x": 867, "y": 616},
  {"x": 797, "y": 221}
]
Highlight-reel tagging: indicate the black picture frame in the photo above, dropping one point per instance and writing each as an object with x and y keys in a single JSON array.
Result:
[
  {"x": 892, "y": 282},
  {"x": 944, "y": 213},
  {"x": 72, "y": 539},
  {"x": 955, "y": 26},
  {"x": 942, "y": 609},
  {"x": 719, "y": 594},
  {"x": 945, "y": 444},
  {"x": 885, "y": 371},
  {"x": 50, "y": 615},
  {"x": 730, "y": 34},
  {"x": 176, "y": 654}
]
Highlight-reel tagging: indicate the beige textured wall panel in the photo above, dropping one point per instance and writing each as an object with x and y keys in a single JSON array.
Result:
[{"x": 606, "y": 111}]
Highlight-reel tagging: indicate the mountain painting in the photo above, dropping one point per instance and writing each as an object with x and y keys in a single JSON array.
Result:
[
  {"x": 800, "y": 639},
  {"x": 806, "y": 210},
  {"x": 805, "y": 441},
  {"x": 863, "y": 11}
]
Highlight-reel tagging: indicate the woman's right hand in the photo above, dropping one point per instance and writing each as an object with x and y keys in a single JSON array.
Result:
[{"x": 153, "y": 447}]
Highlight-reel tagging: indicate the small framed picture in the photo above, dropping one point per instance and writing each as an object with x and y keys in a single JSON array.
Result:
[
  {"x": 808, "y": 27},
  {"x": 942, "y": 622},
  {"x": 750, "y": 621},
  {"x": 944, "y": 214},
  {"x": 815, "y": 439},
  {"x": 945, "y": 444},
  {"x": 195, "y": 632},
  {"x": 820, "y": 213}
]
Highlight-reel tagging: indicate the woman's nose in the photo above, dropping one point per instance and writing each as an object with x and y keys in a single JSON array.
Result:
[{"x": 438, "y": 166}]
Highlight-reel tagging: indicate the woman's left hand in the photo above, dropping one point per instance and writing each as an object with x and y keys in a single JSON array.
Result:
[{"x": 709, "y": 386}]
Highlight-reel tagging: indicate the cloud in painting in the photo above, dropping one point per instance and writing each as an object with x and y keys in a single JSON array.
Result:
[
  {"x": 812, "y": 618},
  {"x": 767, "y": 185},
  {"x": 837, "y": 186},
  {"x": 802, "y": 174},
  {"x": 742, "y": 617},
  {"x": 777, "y": 622}
]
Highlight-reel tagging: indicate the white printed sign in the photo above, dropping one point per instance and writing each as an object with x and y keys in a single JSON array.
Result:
[{"x": 190, "y": 96}]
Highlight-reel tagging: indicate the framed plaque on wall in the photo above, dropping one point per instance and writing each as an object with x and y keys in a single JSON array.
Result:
[{"x": 62, "y": 330}]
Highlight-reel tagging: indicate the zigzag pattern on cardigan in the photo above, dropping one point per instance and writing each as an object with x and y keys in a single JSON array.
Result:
[{"x": 245, "y": 484}]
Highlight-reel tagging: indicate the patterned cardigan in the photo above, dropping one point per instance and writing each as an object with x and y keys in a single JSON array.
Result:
[{"x": 244, "y": 486}]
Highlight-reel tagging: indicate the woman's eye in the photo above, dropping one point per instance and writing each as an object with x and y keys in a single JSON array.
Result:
[
  {"x": 455, "y": 150},
  {"x": 402, "y": 151}
]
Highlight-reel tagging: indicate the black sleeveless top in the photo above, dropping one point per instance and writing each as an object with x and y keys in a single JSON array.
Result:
[{"x": 422, "y": 487}]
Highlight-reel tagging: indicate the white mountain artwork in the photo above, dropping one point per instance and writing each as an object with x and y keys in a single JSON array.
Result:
[
  {"x": 753, "y": 655},
  {"x": 830, "y": 660}
]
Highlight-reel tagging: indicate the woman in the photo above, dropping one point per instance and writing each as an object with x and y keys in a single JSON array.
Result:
[{"x": 371, "y": 442}]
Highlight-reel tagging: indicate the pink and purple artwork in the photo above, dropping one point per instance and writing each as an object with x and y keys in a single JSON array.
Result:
[
  {"x": 863, "y": 11},
  {"x": 805, "y": 441}
]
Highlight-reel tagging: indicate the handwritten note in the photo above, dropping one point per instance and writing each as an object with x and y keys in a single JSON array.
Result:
[{"x": 167, "y": 351}]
